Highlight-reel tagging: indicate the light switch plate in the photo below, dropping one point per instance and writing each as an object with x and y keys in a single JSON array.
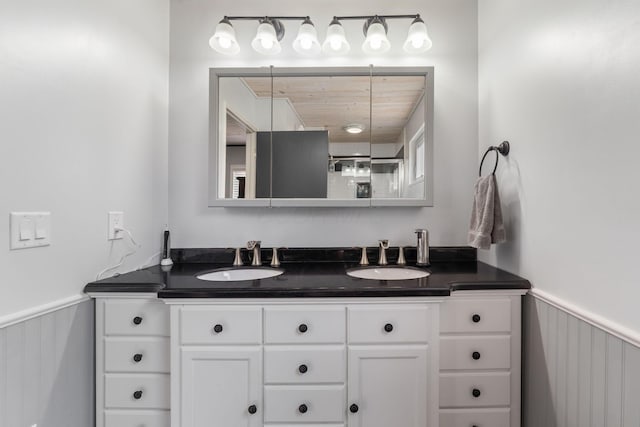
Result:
[{"x": 30, "y": 230}]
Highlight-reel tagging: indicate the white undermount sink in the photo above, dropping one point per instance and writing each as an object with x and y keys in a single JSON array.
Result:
[
  {"x": 388, "y": 273},
  {"x": 240, "y": 274}
]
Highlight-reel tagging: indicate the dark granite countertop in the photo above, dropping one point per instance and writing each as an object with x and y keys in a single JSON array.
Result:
[{"x": 322, "y": 275}]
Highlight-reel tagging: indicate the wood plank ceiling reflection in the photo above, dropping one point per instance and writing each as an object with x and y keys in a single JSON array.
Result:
[{"x": 332, "y": 102}]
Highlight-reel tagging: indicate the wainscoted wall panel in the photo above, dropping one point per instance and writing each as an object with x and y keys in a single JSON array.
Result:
[
  {"x": 46, "y": 370},
  {"x": 577, "y": 375}
]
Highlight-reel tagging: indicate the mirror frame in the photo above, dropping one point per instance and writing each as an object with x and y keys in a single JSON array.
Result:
[{"x": 216, "y": 73}]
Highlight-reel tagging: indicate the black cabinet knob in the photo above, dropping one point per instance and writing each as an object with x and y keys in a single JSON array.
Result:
[
  {"x": 303, "y": 408},
  {"x": 303, "y": 368},
  {"x": 475, "y": 355},
  {"x": 475, "y": 392},
  {"x": 137, "y": 394},
  {"x": 388, "y": 327},
  {"x": 303, "y": 328},
  {"x": 353, "y": 408},
  {"x": 137, "y": 357},
  {"x": 137, "y": 320},
  {"x": 218, "y": 328},
  {"x": 475, "y": 318},
  {"x": 252, "y": 409}
]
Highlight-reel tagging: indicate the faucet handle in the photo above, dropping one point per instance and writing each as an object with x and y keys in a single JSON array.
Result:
[
  {"x": 237, "y": 261},
  {"x": 275, "y": 261},
  {"x": 384, "y": 244},
  {"x": 363, "y": 258},
  {"x": 251, "y": 244},
  {"x": 401, "y": 260}
]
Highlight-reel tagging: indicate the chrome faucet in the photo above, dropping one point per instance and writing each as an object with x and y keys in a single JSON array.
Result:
[
  {"x": 255, "y": 246},
  {"x": 382, "y": 255}
]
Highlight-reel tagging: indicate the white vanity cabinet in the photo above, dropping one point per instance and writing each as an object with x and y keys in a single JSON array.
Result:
[
  {"x": 330, "y": 362},
  {"x": 132, "y": 361},
  {"x": 480, "y": 359}
]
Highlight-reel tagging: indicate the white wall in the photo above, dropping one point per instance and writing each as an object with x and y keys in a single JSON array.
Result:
[
  {"x": 560, "y": 81},
  {"x": 83, "y": 130},
  {"x": 452, "y": 26}
]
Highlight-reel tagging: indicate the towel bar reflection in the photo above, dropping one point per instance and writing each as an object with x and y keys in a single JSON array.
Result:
[{"x": 503, "y": 149}]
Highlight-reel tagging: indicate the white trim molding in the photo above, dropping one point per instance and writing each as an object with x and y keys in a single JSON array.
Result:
[
  {"x": 613, "y": 328},
  {"x": 40, "y": 310}
]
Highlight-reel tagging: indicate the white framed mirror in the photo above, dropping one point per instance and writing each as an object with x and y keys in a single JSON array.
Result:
[{"x": 334, "y": 137}]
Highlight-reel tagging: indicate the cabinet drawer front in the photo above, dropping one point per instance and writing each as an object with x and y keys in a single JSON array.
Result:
[
  {"x": 475, "y": 352},
  {"x": 283, "y": 404},
  {"x": 143, "y": 391},
  {"x": 136, "y": 418},
  {"x": 475, "y": 417},
  {"x": 221, "y": 325},
  {"x": 304, "y": 364},
  {"x": 304, "y": 325},
  {"x": 136, "y": 355},
  {"x": 136, "y": 317},
  {"x": 476, "y": 315},
  {"x": 389, "y": 324},
  {"x": 457, "y": 390}
]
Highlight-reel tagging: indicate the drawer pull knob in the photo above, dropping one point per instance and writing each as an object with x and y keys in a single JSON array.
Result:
[
  {"x": 303, "y": 369},
  {"x": 475, "y": 392},
  {"x": 388, "y": 327},
  {"x": 475, "y": 355},
  {"x": 303, "y": 408},
  {"x": 354, "y": 408},
  {"x": 137, "y": 320},
  {"x": 252, "y": 409},
  {"x": 475, "y": 318},
  {"x": 137, "y": 357},
  {"x": 137, "y": 394},
  {"x": 303, "y": 328},
  {"x": 218, "y": 328}
]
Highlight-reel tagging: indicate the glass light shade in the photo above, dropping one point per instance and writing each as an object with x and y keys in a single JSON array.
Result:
[
  {"x": 224, "y": 39},
  {"x": 376, "y": 40},
  {"x": 336, "y": 42},
  {"x": 418, "y": 40},
  {"x": 307, "y": 40},
  {"x": 266, "y": 40}
]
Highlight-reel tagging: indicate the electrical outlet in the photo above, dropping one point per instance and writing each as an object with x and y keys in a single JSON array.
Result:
[{"x": 116, "y": 220}]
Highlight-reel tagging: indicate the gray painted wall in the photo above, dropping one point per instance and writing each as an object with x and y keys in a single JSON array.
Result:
[
  {"x": 46, "y": 370},
  {"x": 576, "y": 374}
]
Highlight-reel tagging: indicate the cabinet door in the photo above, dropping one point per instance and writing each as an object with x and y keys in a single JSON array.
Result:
[
  {"x": 221, "y": 387},
  {"x": 388, "y": 386}
]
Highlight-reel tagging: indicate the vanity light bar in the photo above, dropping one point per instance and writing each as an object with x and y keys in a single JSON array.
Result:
[{"x": 271, "y": 31}]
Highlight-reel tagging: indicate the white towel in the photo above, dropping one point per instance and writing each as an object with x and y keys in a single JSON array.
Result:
[{"x": 486, "y": 225}]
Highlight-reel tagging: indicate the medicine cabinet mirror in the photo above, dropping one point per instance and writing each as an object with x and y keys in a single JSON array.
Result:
[{"x": 336, "y": 137}]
